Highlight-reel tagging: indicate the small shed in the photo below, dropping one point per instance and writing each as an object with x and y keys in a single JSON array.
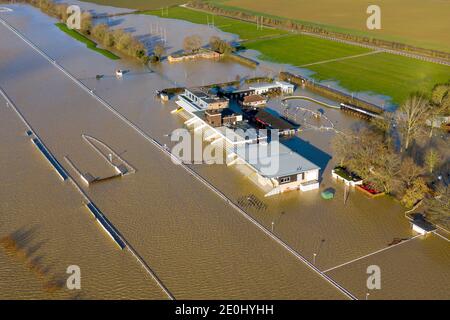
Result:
[{"x": 421, "y": 226}]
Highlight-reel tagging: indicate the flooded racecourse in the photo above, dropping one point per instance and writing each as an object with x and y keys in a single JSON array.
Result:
[{"x": 198, "y": 246}]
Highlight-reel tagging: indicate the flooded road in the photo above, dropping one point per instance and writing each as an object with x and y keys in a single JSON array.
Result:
[{"x": 197, "y": 245}]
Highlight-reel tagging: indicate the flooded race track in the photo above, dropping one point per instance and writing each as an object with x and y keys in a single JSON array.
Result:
[{"x": 196, "y": 244}]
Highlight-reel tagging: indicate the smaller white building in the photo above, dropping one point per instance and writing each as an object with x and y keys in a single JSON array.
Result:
[
  {"x": 285, "y": 87},
  {"x": 422, "y": 226}
]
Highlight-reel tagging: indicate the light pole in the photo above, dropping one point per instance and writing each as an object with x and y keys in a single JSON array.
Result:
[
  {"x": 272, "y": 225},
  {"x": 367, "y": 296},
  {"x": 110, "y": 157},
  {"x": 314, "y": 258}
]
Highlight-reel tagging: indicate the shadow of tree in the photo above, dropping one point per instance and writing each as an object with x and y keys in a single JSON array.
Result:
[{"x": 23, "y": 245}]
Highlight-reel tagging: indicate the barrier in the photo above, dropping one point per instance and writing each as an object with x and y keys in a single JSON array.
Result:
[{"x": 106, "y": 225}]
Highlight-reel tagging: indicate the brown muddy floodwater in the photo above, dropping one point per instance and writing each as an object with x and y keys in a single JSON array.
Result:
[{"x": 197, "y": 245}]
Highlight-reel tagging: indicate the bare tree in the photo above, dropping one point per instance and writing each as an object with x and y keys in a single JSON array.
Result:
[
  {"x": 440, "y": 104},
  {"x": 432, "y": 160},
  {"x": 86, "y": 22},
  {"x": 416, "y": 192},
  {"x": 192, "y": 43},
  {"x": 159, "y": 51},
  {"x": 412, "y": 116},
  {"x": 439, "y": 205}
]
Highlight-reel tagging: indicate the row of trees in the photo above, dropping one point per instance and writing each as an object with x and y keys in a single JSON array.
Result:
[
  {"x": 119, "y": 40},
  {"x": 292, "y": 25},
  {"x": 396, "y": 154}
]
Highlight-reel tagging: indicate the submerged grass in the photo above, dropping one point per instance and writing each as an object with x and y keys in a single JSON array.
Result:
[
  {"x": 245, "y": 30},
  {"x": 88, "y": 42}
]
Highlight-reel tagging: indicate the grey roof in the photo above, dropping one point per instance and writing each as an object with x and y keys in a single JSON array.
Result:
[
  {"x": 423, "y": 224},
  {"x": 272, "y": 161}
]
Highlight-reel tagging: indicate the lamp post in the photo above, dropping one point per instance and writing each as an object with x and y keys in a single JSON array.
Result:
[
  {"x": 272, "y": 225},
  {"x": 367, "y": 296},
  {"x": 314, "y": 258}
]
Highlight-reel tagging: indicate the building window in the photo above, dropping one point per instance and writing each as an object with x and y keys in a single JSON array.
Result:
[{"x": 285, "y": 180}]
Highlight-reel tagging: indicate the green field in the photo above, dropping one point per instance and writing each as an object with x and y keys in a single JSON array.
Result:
[
  {"x": 298, "y": 50},
  {"x": 88, "y": 42},
  {"x": 384, "y": 73},
  {"x": 245, "y": 30},
  {"x": 421, "y": 23},
  {"x": 381, "y": 73}
]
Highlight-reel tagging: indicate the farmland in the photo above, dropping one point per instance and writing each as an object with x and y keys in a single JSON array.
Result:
[
  {"x": 360, "y": 70},
  {"x": 381, "y": 73},
  {"x": 388, "y": 74},
  {"x": 298, "y": 50},
  {"x": 245, "y": 30},
  {"x": 415, "y": 22}
]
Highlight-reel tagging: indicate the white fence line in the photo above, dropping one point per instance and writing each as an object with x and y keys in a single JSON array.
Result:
[{"x": 371, "y": 254}]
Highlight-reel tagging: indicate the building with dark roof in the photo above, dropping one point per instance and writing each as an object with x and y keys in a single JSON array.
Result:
[{"x": 266, "y": 120}]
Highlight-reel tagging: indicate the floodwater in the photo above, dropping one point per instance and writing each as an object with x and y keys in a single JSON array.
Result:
[
  {"x": 197, "y": 245},
  {"x": 49, "y": 222}
]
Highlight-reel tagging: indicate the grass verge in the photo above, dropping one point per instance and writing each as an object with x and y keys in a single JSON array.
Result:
[{"x": 88, "y": 42}]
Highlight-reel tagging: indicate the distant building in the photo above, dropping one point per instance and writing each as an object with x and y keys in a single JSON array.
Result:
[
  {"x": 286, "y": 87},
  {"x": 254, "y": 101},
  {"x": 198, "y": 99},
  {"x": 265, "y": 120},
  {"x": 281, "y": 86},
  {"x": 218, "y": 118}
]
